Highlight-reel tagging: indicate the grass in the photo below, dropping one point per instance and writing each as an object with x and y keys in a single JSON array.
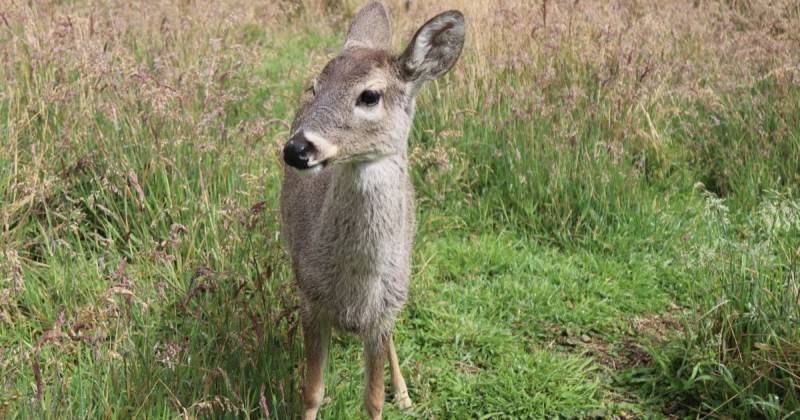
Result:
[{"x": 609, "y": 224}]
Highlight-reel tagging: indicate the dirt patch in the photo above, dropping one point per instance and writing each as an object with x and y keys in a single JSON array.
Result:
[
  {"x": 656, "y": 327},
  {"x": 586, "y": 344},
  {"x": 626, "y": 353},
  {"x": 620, "y": 356},
  {"x": 631, "y": 355}
]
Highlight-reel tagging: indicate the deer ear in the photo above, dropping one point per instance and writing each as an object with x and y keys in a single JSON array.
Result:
[
  {"x": 435, "y": 47},
  {"x": 371, "y": 28}
]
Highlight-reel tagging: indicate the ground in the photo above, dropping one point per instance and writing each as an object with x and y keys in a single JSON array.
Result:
[{"x": 608, "y": 219}]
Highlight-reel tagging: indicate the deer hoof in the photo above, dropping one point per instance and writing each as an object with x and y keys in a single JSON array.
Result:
[{"x": 403, "y": 401}]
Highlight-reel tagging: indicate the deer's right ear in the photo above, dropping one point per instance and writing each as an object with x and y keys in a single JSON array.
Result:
[
  {"x": 435, "y": 47},
  {"x": 371, "y": 28}
]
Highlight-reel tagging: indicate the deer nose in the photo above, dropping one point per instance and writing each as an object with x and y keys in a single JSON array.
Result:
[{"x": 298, "y": 151}]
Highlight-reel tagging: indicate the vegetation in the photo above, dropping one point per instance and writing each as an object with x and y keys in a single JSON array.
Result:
[{"x": 609, "y": 218}]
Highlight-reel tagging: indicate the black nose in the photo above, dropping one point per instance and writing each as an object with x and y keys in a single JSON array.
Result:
[{"x": 298, "y": 151}]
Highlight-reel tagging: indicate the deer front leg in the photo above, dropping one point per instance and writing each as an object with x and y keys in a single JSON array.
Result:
[
  {"x": 375, "y": 351},
  {"x": 398, "y": 383},
  {"x": 316, "y": 335}
]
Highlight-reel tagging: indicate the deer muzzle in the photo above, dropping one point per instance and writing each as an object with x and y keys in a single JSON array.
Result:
[{"x": 306, "y": 150}]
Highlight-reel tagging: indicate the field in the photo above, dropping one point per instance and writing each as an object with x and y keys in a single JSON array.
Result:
[{"x": 608, "y": 219}]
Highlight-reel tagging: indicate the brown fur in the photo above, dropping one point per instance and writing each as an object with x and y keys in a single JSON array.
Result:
[{"x": 350, "y": 225}]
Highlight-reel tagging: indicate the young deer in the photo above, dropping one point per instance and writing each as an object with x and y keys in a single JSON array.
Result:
[{"x": 350, "y": 222}]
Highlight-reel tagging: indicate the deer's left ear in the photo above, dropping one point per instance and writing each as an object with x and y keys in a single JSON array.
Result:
[
  {"x": 371, "y": 28},
  {"x": 435, "y": 47}
]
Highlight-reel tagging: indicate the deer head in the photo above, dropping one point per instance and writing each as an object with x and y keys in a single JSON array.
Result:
[{"x": 360, "y": 107}]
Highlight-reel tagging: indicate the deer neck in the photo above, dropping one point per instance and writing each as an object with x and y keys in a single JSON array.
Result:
[
  {"x": 367, "y": 201},
  {"x": 370, "y": 185}
]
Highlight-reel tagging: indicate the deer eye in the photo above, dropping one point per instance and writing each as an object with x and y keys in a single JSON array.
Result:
[{"x": 369, "y": 98}]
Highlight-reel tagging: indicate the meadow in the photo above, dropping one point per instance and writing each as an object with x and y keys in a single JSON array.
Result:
[{"x": 608, "y": 211}]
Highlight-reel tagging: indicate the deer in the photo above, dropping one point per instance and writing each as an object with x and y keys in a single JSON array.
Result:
[{"x": 347, "y": 201}]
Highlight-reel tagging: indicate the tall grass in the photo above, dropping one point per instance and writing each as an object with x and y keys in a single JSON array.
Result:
[
  {"x": 740, "y": 355},
  {"x": 128, "y": 198},
  {"x": 596, "y": 137},
  {"x": 651, "y": 149}
]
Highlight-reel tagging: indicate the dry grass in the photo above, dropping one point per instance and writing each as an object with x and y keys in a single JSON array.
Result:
[
  {"x": 647, "y": 60},
  {"x": 120, "y": 60},
  {"x": 641, "y": 52},
  {"x": 138, "y": 180},
  {"x": 659, "y": 49}
]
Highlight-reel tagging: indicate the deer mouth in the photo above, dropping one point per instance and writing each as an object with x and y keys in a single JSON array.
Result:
[{"x": 314, "y": 168}]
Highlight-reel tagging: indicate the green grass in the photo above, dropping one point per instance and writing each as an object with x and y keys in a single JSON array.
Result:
[{"x": 555, "y": 274}]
